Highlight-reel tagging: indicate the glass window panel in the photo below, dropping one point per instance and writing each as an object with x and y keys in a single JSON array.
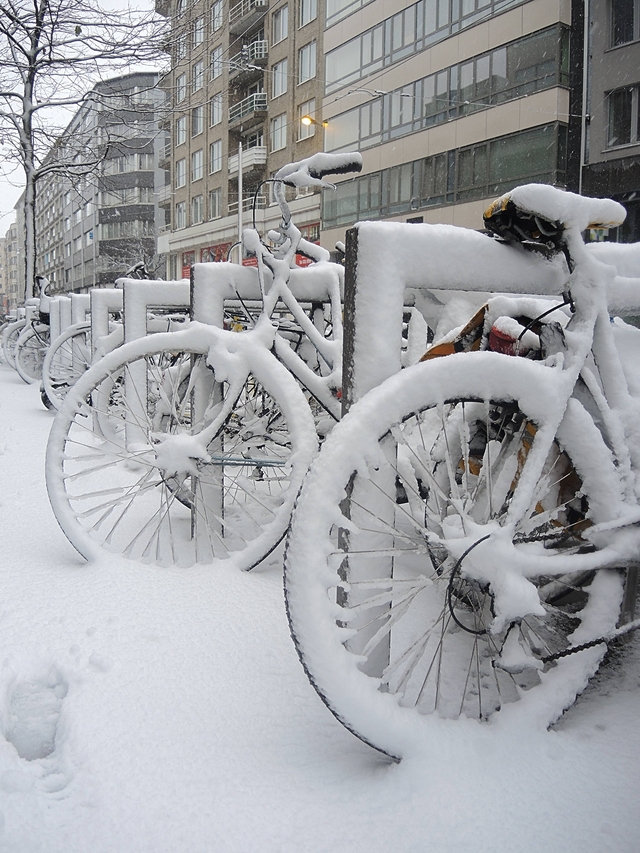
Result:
[
  {"x": 280, "y": 24},
  {"x": 346, "y": 202},
  {"x": 620, "y": 107},
  {"x": 622, "y": 23},
  {"x": 343, "y": 64},
  {"x": 308, "y": 11},
  {"x": 343, "y": 130},
  {"x": 279, "y": 78},
  {"x": 525, "y": 155},
  {"x": 430, "y": 14},
  {"x": 443, "y": 13}
]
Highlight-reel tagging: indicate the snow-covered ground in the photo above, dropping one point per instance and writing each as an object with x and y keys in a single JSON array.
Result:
[{"x": 148, "y": 710}]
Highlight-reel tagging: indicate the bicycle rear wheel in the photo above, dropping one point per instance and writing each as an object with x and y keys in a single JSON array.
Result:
[
  {"x": 407, "y": 574},
  {"x": 125, "y": 471}
]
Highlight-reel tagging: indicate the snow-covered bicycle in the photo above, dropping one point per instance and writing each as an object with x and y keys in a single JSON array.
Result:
[
  {"x": 460, "y": 545},
  {"x": 190, "y": 446}
]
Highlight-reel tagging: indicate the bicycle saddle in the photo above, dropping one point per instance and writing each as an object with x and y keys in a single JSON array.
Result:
[{"x": 540, "y": 214}]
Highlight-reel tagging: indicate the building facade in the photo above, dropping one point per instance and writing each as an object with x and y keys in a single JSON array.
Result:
[
  {"x": 13, "y": 290},
  {"x": 450, "y": 103},
  {"x": 97, "y": 211},
  {"x": 241, "y": 74},
  {"x": 611, "y": 155}
]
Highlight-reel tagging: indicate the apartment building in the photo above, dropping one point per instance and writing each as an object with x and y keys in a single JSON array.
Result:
[
  {"x": 451, "y": 104},
  {"x": 3, "y": 279},
  {"x": 13, "y": 291},
  {"x": 97, "y": 211},
  {"x": 242, "y": 74},
  {"x": 611, "y": 153}
]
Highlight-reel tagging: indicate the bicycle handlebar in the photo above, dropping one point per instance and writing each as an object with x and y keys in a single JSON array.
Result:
[{"x": 311, "y": 171}]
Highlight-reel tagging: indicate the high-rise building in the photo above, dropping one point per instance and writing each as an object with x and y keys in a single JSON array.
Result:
[
  {"x": 611, "y": 153},
  {"x": 246, "y": 74},
  {"x": 13, "y": 281},
  {"x": 451, "y": 104},
  {"x": 97, "y": 210}
]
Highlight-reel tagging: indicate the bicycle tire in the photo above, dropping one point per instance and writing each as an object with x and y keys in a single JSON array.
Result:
[
  {"x": 109, "y": 491},
  {"x": 30, "y": 352},
  {"x": 389, "y": 629},
  {"x": 68, "y": 358},
  {"x": 10, "y": 339}
]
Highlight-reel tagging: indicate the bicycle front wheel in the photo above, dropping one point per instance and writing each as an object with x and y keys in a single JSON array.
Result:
[
  {"x": 110, "y": 481},
  {"x": 68, "y": 358},
  {"x": 30, "y": 352},
  {"x": 415, "y": 589},
  {"x": 10, "y": 337}
]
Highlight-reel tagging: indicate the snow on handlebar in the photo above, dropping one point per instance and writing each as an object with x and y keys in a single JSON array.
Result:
[{"x": 310, "y": 172}]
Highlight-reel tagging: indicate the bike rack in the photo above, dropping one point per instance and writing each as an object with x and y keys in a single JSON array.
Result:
[{"x": 386, "y": 261}]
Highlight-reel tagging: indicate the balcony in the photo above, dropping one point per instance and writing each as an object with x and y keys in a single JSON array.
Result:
[
  {"x": 244, "y": 15},
  {"x": 247, "y": 204},
  {"x": 252, "y": 158},
  {"x": 249, "y": 109},
  {"x": 163, "y": 195},
  {"x": 250, "y": 61}
]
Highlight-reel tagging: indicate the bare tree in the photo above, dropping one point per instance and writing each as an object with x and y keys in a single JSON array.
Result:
[{"x": 51, "y": 53}]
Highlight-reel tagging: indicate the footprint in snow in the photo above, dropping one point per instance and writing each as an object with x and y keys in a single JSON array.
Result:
[{"x": 33, "y": 714}]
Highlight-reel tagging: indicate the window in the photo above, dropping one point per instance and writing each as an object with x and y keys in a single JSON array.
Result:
[
  {"x": 197, "y": 76},
  {"x": 181, "y": 214},
  {"x": 624, "y": 121},
  {"x": 409, "y": 31},
  {"x": 77, "y": 244},
  {"x": 215, "y": 62},
  {"x": 130, "y": 228},
  {"x": 181, "y": 130},
  {"x": 88, "y": 238},
  {"x": 181, "y": 87},
  {"x": 279, "y": 76},
  {"x": 307, "y": 62},
  {"x": 67, "y": 197},
  {"x": 215, "y": 109},
  {"x": 526, "y": 65},
  {"x": 625, "y": 21},
  {"x": 279, "y": 132},
  {"x": 197, "y": 165},
  {"x": 215, "y": 203},
  {"x": 280, "y": 24},
  {"x": 197, "y": 209},
  {"x": 77, "y": 216},
  {"x": 67, "y": 223},
  {"x": 181, "y": 46},
  {"x": 473, "y": 172},
  {"x": 197, "y": 120},
  {"x": 67, "y": 250},
  {"x": 308, "y": 108},
  {"x": 198, "y": 31},
  {"x": 181, "y": 173},
  {"x": 216, "y": 16},
  {"x": 215, "y": 156},
  {"x": 308, "y": 11}
]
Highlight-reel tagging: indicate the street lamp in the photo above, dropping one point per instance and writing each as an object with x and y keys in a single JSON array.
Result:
[{"x": 307, "y": 120}]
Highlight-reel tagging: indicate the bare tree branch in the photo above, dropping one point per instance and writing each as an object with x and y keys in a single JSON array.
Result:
[{"x": 51, "y": 53}]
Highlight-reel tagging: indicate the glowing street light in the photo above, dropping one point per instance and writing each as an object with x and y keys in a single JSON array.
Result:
[{"x": 307, "y": 120}]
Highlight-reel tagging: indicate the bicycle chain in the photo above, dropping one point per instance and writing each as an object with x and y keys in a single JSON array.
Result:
[{"x": 619, "y": 632}]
